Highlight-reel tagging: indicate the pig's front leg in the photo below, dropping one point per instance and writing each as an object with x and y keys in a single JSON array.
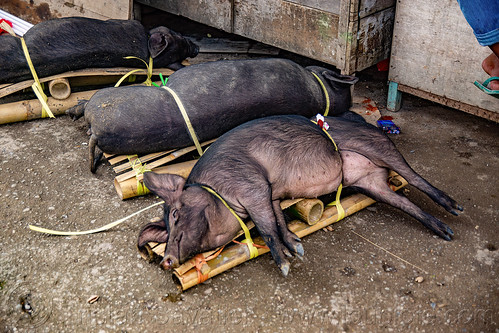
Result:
[
  {"x": 290, "y": 240},
  {"x": 266, "y": 223}
]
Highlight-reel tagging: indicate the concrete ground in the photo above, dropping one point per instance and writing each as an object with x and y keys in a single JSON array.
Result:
[{"x": 418, "y": 283}]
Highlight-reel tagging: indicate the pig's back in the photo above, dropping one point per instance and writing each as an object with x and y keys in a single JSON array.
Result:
[{"x": 291, "y": 153}]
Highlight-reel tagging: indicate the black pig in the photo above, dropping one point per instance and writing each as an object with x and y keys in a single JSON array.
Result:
[
  {"x": 259, "y": 163},
  {"x": 65, "y": 44},
  {"x": 217, "y": 97}
]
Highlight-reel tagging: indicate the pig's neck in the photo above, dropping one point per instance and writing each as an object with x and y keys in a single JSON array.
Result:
[{"x": 222, "y": 224}]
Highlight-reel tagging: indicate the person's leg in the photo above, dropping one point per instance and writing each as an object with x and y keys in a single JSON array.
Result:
[{"x": 483, "y": 17}]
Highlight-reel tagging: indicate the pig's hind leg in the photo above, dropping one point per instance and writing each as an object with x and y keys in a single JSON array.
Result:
[
  {"x": 383, "y": 153},
  {"x": 372, "y": 181},
  {"x": 93, "y": 160}
]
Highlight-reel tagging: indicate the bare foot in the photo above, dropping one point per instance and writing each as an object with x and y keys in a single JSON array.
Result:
[{"x": 491, "y": 66}]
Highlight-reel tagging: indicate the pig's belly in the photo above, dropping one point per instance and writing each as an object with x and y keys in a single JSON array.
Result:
[{"x": 308, "y": 185}]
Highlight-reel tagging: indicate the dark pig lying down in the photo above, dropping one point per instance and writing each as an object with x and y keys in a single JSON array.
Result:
[
  {"x": 66, "y": 44},
  {"x": 217, "y": 97},
  {"x": 261, "y": 162}
]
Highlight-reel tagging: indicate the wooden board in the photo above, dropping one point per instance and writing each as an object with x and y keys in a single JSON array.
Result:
[
  {"x": 435, "y": 54},
  {"x": 349, "y": 34},
  {"x": 35, "y": 11},
  {"x": 217, "y": 13}
]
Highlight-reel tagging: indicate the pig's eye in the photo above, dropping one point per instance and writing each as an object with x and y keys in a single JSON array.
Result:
[{"x": 174, "y": 213}]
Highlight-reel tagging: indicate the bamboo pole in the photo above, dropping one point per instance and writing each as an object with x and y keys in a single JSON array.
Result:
[
  {"x": 236, "y": 254},
  {"x": 60, "y": 88},
  {"x": 32, "y": 109},
  {"x": 308, "y": 210},
  {"x": 129, "y": 188}
]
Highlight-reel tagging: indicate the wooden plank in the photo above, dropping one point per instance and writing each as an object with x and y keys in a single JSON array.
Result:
[
  {"x": 163, "y": 160},
  {"x": 472, "y": 109},
  {"x": 37, "y": 10},
  {"x": 143, "y": 159},
  {"x": 369, "y": 7},
  {"x": 374, "y": 37},
  {"x": 327, "y": 6},
  {"x": 448, "y": 57},
  {"x": 289, "y": 26},
  {"x": 217, "y": 14},
  {"x": 224, "y": 45}
]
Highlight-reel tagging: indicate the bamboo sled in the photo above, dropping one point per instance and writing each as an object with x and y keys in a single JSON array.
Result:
[
  {"x": 59, "y": 87},
  {"x": 187, "y": 276},
  {"x": 129, "y": 184}
]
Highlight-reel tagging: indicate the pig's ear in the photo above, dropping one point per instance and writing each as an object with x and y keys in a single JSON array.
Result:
[
  {"x": 167, "y": 186},
  {"x": 152, "y": 232},
  {"x": 157, "y": 43},
  {"x": 336, "y": 77}
]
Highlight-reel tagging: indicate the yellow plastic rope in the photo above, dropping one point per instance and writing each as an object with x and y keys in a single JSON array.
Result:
[
  {"x": 139, "y": 169},
  {"x": 339, "y": 207},
  {"x": 329, "y": 136},
  {"x": 186, "y": 119},
  {"x": 148, "y": 81},
  {"x": 93, "y": 231},
  {"x": 248, "y": 241},
  {"x": 37, "y": 86},
  {"x": 325, "y": 93}
]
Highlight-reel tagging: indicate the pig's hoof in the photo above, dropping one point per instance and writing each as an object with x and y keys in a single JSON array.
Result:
[
  {"x": 285, "y": 268},
  {"x": 458, "y": 207},
  {"x": 299, "y": 251},
  {"x": 445, "y": 232}
]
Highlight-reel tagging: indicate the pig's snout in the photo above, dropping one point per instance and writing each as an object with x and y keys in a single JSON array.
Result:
[
  {"x": 194, "y": 49},
  {"x": 169, "y": 262}
]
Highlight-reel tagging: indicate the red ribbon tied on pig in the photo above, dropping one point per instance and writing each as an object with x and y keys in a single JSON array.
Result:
[
  {"x": 6, "y": 21},
  {"x": 320, "y": 121}
]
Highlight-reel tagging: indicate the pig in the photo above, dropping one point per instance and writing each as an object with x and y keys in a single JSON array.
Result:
[
  {"x": 261, "y": 162},
  {"x": 60, "y": 45},
  {"x": 217, "y": 96}
]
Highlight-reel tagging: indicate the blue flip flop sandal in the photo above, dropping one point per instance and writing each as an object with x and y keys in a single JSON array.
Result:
[{"x": 483, "y": 86}]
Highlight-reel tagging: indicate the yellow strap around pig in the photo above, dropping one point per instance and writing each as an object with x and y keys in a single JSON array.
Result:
[
  {"x": 37, "y": 86},
  {"x": 186, "y": 119},
  {"x": 325, "y": 93},
  {"x": 248, "y": 241},
  {"x": 339, "y": 207},
  {"x": 328, "y": 135}
]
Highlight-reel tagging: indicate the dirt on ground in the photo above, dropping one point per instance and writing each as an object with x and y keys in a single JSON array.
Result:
[{"x": 397, "y": 277}]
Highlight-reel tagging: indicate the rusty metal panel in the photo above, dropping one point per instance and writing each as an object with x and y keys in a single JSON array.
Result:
[{"x": 303, "y": 30}]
